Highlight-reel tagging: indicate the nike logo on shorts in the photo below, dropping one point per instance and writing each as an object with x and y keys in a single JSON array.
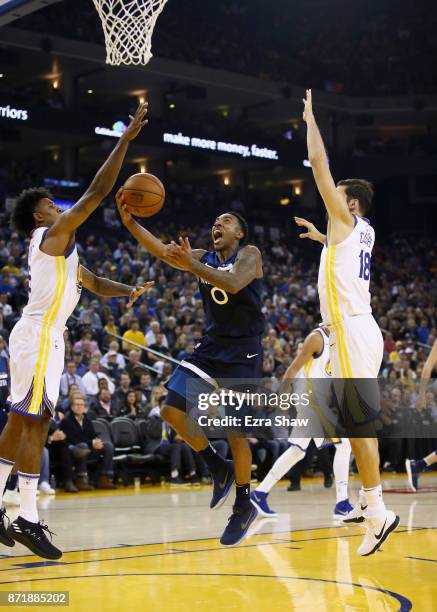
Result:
[{"x": 250, "y": 356}]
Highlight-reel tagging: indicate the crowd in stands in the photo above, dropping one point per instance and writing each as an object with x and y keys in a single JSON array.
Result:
[
  {"x": 117, "y": 360},
  {"x": 389, "y": 45}
]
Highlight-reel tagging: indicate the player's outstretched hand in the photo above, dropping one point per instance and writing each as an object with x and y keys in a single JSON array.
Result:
[
  {"x": 125, "y": 215},
  {"x": 137, "y": 122},
  {"x": 312, "y": 232},
  {"x": 137, "y": 292},
  {"x": 308, "y": 106},
  {"x": 180, "y": 255}
]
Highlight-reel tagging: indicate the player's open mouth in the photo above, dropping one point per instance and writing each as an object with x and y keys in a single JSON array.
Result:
[{"x": 216, "y": 235}]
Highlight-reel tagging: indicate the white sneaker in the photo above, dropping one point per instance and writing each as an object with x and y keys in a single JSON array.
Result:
[
  {"x": 377, "y": 531},
  {"x": 356, "y": 515},
  {"x": 45, "y": 489},
  {"x": 11, "y": 498}
]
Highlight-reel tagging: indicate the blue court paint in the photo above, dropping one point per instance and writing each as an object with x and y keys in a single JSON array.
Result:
[{"x": 38, "y": 564}]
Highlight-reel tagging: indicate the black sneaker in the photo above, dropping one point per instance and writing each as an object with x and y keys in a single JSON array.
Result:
[
  {"x": 222, "y": 483},
  {"x": 4, "y": 537},
  {"x": 33, "y": 537},
  {"x": 238, "y": 525},
  {"x": 177, "y": 481},
  {"x": 328, "y": 481},
  {"x": 293, "y": 486}
]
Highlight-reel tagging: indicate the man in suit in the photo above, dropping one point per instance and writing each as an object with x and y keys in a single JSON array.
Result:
[{"x": 84, "y": 445}]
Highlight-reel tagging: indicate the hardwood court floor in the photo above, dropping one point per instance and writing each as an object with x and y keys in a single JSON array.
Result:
[{"x": 157, "y": 549}]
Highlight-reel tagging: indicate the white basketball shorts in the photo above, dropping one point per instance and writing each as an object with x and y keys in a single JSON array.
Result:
[{"x": 36, "y": 366}]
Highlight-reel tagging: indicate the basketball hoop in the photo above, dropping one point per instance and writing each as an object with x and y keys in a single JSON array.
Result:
[{"x": 128, "y": 27}]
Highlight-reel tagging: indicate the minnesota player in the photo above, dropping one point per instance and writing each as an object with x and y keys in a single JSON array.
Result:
[
  {"x": 310, "y": 371},
  {"x": 37, "y": 343},
  {"x": 230, "y": 285},
  {"x": 356, "y": 343}
]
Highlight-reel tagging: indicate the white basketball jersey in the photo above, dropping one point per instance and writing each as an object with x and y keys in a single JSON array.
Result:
[
  {"x": 314, "y": 378},
  {"x": 54, "y": 284},
  {"x": 318, "y": 366},
  {"x": 344, "y": 274}
]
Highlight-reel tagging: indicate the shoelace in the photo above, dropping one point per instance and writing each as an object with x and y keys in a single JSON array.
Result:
[
  {"x": 236, "y": 512},
  {"x": 45, "y": 528},
  {"x": 3, "y": 515},
  {"x": 38, "y": 531}
]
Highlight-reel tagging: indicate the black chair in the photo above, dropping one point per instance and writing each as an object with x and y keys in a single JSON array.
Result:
[
  {"x": 150, "y": 433},
  {"x": 102, "y": 429},
  {"x": 125, "y": 435}
]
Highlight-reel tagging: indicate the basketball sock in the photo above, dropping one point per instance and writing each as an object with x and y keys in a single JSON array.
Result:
[
  {"x": 282, "y": 465},
  {"x": 174, "y": 473},
  {"x": 212, "y": 459},
  {"x": 5, "y": 469},
  {"x": 375, "y": 505},
  {"x": 242, "y": 495},
  {"x": 28, "y": 484},
  {"x": 341, "y": 469}
]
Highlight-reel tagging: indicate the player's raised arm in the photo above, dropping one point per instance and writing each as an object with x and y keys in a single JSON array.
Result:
[
  {"x": 335, "y": 204},
  {"x": 105, "y": 287},
  {"x": 428, "y": 367},
  {"x": 312, "y": 232},
  {"x": 312, "y": 345},
  {"x": 103, "y": 182},
  {"x": 151, "y": 243},
  {"x": 247, "y": 267}
]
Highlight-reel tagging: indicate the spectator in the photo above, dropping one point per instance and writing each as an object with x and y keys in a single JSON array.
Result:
[
  {"x": 119, "y": 395},
  {"x": 133, "y": 334},
  {"x": 112, "y": 369},
  {"x": 114, "y": 350},
  {"x": 65, "y": 404},
  {"x": 44, "y": 476},
  {"x": 4, "y": 333},
  {"x": 134, "y": 367},
  {"x": 70, "y": 377},
  {"x": 84, "y": 445},
  {"x": 134, "y": 408},
  {"x": 91, "y": 378},
  {"x": 152, "y": 333},
  {"x": 158, "y": 346},
  {"x": 86, "y": 343},
  {"x": 81, "y": 366},
  {"x": 111, "y": 329},
  {"x": 180, "y": 455},
  {"x": 61, "y": 457},
  {"x": 104, "y": 406}
]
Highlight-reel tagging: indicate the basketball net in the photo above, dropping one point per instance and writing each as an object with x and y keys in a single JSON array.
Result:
[{"x": 128, "y": 27}]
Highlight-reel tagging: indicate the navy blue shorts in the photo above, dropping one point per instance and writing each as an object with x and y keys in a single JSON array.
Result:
[{"x": 213, "y": 360}]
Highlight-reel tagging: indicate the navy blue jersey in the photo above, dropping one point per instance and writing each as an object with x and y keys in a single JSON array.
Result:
[{"x": 229, "y": 315}]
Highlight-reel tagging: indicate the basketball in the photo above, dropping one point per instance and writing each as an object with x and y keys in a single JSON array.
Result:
[{"x": 144, "y": 194}]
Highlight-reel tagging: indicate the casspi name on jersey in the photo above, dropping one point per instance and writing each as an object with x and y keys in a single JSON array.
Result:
[{"x": 366, "y": 238}]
